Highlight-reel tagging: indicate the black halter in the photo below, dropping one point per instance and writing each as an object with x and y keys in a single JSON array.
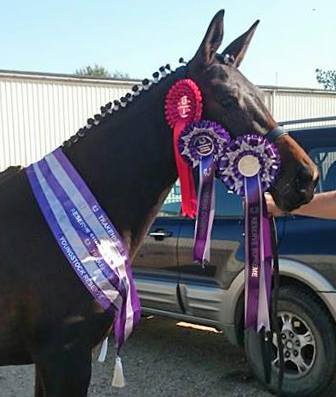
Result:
[{"x": 276, "y": 133}]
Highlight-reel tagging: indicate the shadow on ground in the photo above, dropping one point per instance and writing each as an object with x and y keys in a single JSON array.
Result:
[{"x": 162, "y": 359}]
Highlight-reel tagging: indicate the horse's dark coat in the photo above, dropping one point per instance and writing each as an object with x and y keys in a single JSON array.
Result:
[
  {"x": 9, "y": 172},
  {"x": 46, "y": 315}
]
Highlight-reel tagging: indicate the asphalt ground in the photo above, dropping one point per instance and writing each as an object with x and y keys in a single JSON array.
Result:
[{"x": 163, "y": 358}]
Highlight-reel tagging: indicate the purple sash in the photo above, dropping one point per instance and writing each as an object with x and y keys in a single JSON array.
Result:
[{"x": 87, "y": 238}]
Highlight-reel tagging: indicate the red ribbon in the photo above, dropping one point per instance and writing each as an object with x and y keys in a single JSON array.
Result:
[
  {"x": 183, "y": 107},
  {"x": 189, "y": 200}
]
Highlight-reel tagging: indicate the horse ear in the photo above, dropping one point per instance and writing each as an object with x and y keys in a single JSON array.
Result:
[
  {"x": 212, "y": 40},
  {"x": 237, "y": 48}
]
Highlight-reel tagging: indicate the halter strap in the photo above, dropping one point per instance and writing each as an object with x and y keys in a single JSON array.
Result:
[{"x": 276, "y": 133}]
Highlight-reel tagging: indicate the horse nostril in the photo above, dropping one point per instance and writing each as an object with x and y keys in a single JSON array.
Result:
[{"x": 304, "y": 181}]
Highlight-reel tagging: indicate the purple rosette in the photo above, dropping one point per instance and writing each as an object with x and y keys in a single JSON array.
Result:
[
  {"x": 248, "y": 167},
  {"x": 202, "y": 143},
  {"x": 246, "y": 157},
  {"x": 201, "y": 139}
]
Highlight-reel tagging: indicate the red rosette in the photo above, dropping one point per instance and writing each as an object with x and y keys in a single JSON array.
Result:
[
  {"x": 183, "y": 107},
  {"x": 183, "y": 103}
]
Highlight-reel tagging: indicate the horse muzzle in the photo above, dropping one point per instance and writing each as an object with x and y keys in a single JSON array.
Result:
[{"x": 297, "y": 191}]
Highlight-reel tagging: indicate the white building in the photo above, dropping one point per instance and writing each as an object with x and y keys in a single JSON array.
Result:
[{"x": 38, "y": 111}]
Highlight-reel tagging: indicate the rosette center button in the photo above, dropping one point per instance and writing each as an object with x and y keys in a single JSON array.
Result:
[
  {"x": 249, "y": 165},
  {"x": 204, "y": 145},
  {"x": 183, "y": 106}
]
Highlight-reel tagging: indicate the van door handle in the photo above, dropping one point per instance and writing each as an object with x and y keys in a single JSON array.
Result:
[{"x": 160, "y": 234}]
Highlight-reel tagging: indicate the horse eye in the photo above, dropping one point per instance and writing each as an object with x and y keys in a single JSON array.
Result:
[{"x": 228, "y": 101}]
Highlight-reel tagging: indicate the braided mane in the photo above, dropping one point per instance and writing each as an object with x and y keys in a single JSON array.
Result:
[{"x": 111, "y": 108}]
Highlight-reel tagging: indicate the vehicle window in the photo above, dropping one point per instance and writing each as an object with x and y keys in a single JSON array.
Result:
[
  {"x": 325, "y": 159},
  {"x": 172, "y": 204},
  {"x": 227, "y": 202}
]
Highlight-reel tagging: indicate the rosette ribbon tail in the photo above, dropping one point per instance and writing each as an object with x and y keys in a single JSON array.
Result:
[
  {"x": 258, "y": 264},
  {"x": 266, "y": 271},
  {"x": 188, "y": 192},
  {"x": 206, "y": 210}
]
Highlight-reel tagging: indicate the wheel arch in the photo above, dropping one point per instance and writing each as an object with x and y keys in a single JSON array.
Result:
[{"x": 304, "y": 277}]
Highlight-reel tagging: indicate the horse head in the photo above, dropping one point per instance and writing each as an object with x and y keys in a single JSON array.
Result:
[
  {"x": 238, "y": 105},
  {"x": 132, "y": 135}
]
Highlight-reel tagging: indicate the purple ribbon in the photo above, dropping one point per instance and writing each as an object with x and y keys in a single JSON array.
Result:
[
  {"x": 205, "y": 210},
  {"x": 249, "y": 167},
  {"x": 202, "y": 143},
  {"x": 258, "y": 257},
  {"x": 87, "y": 238},
  {"x": 253, "y": 258}
]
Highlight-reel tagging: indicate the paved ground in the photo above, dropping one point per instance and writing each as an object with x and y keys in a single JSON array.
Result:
[{"x": 162, "y": 359}]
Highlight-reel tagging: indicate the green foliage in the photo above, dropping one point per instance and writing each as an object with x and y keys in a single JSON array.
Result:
[
  {"x": 327, "y": 78},
  {"x": 99, "y": 71},
  {"x": 117, "y": 74}
]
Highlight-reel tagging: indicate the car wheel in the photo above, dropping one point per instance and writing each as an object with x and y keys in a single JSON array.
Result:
[{"x": 309, "y": 340}]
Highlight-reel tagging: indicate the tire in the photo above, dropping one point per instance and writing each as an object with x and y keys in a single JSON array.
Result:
[{"x": 310, "y": 360}]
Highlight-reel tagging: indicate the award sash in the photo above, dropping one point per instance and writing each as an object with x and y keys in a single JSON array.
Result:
[{"x": 87, "y": 238}]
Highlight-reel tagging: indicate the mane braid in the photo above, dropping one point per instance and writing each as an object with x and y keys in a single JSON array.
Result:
[{"x": 112, "y": 108}]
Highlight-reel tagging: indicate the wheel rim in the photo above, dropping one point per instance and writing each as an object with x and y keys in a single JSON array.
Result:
[{"x": 299, "y": 345}]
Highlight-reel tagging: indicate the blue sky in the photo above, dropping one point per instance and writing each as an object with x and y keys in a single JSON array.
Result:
[{"x": 293, "y": 39}]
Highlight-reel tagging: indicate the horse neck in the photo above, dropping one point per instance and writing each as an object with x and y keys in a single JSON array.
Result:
[{"x": 128, "y": 162}]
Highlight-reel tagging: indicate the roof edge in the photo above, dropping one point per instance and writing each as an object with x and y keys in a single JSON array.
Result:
[
  {"x": 65, "y": 77},
  {"x": 109, "y": 80}
]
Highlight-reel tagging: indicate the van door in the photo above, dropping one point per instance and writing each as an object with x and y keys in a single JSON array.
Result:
[
  {"x": 155, "y": 266},
  {"x": 202, "y": 289}
]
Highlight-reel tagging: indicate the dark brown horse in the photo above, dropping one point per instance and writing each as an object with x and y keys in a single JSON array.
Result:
[{"x": 47, "y": 317}]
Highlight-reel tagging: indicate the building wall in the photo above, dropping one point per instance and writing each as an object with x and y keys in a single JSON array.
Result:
[
  {"x": 39, "y": 111},
  {"x": 295, "y": 103}
]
